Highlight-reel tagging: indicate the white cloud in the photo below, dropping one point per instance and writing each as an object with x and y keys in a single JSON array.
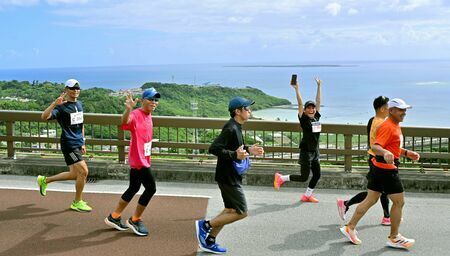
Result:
[
  {"x": 333, "y": 8},
  {"x": 409, "y": 5},
  {"x": 352, "y": 11},
  {"x": 241, "y": 20},
  {"x": 55, "y": 2},
  {"x": 23, "y": 3},
  {"x": 264, "y": 22}
]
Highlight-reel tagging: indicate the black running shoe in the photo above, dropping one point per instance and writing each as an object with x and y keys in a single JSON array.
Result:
[{"x": 115, "y": 223}]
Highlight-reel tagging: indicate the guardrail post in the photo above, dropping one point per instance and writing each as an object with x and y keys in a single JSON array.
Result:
[
  {"x": 121, "y": 148},
  {"x": 10, "y": 141},
  {"x": 348, "y": 157}
]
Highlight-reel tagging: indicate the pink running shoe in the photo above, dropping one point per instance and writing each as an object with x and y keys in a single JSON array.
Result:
[
  {"x": 341, "y": 208},
  {"x": 350, "y": 234},
  {"x": 386, "y": 221},
  {"x": 309, "y": 199},
  {"x": 277, "y": 181},
  {"x": 400, "y": 242}
]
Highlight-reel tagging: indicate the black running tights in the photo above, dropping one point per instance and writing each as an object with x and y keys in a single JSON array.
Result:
[
  {"x": 309, "y": 162},
  {"x": 137, "y": 177},
  {"x": 384, "y": 200}
]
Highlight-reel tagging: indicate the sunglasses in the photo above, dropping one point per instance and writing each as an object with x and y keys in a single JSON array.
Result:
[
  {"x": 153, "y": 99},
  {"x": 74, "y": 88}
]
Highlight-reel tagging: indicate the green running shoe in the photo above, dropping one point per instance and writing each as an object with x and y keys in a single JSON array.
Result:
[
  {"x": 80, "y": 206},
  {"x": 42, "y": 185}
]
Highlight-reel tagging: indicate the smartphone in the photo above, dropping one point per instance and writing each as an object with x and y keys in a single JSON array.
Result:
[{"x": 294, "y": 79}]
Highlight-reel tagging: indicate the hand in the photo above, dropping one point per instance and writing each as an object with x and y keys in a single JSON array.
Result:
[
  {"x": 60, "y": 100},
  {"x": 83, "y": 149},
  {"x": 389, "y": 157},
  {"x": 129, "y": 102},
  {"x": 295, "y": 86},
  {"x": 256, "y": 150},
  {"x": 241, "y": 154},
  {"x": 412, "y": 155},
  {"x": 318, "y": 81}
]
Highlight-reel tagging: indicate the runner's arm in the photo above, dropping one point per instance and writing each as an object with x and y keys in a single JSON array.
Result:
[
  {"x": 299, "y": 98},
  {"x": 318, "y": 94}
]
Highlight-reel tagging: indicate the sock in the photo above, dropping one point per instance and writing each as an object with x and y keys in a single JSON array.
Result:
[
  {"x": 115, "y": 215},
  {"x": 134, "y": 219},
  {"x": 207, "y": 225},
  {"x": 309, "y": 192},
  {"x": 285, "y": 178},
  {"x": 210, "y": 240}
]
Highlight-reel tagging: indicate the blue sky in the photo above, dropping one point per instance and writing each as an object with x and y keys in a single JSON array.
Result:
[{"x": 77, "y": 33}]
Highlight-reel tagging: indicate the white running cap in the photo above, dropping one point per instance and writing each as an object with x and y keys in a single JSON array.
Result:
[
  {"x": 72, "y": 83},
  {"x": 398, "y": 103}
]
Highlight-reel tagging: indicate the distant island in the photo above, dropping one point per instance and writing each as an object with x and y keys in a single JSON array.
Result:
[
  {"x": 292, "y": 66},
  {"x": 176, "y": 99}
]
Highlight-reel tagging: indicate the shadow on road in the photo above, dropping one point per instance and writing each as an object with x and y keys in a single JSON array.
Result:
[
  {"x": 314, "y": 239},
  {"x": 268, "y": 208},
  {"x": 39, "y": 244},
  {"x": 26, "y": 211}
]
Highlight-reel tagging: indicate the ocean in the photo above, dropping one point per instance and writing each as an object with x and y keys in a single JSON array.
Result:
[{"x": 348, "y": 88}]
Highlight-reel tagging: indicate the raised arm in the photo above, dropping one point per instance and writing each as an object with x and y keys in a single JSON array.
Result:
[
  {"x": 129, "y": 105},
  {"x": 48, "y": 111},
  {"x": 299, "y": 97},
  {"x": 318, "y": 96}
]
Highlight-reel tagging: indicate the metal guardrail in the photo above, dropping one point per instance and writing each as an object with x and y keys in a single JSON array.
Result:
[{"x": 184, "y": 137}]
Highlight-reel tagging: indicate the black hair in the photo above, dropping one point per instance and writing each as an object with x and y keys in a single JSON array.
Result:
[
  {"x": 233, "y": 112},
  {"x": 380, "y": 101}
]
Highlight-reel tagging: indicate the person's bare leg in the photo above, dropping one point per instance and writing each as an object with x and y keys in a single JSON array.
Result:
[
  {"x": 70, "y": 175},
  {"x": 398, "y": 200},
  {"x": 81, "y": 169},
  {"x": 139, "y": 210},
  {"x": 121, "y": 206},
  {"x": 227, "y": 216},
  {"x": 363, "y": 207}
]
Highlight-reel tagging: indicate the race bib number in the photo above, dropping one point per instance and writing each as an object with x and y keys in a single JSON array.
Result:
[
  {"x": 316, "y": 127},
  {"x": 148, "y": 149},
  {"x": 76, "y": 118}
]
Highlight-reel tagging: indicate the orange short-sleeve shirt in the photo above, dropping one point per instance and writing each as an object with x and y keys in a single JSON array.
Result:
[
  {"x": 389, "y": 137},
  {"x": 377, "y": 121}
]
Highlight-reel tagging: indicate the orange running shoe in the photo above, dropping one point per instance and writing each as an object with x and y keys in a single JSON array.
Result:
[
  {"x": 341, "y": 208},
  {"x": 309, "y": 199},
  {"x": 350, "y": 234},
  {"x": 277, "y": 181},
  {"x": 386, "y": 221}
]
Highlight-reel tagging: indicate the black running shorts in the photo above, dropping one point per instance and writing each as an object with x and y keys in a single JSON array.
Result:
[
  {"x": 384, "y": 180},
  {"x": 72, "y": 156},
  {"x": 233, "y": 197}
]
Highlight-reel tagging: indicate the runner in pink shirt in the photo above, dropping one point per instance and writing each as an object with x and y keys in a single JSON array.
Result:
[{"x": 139, "y": 123}]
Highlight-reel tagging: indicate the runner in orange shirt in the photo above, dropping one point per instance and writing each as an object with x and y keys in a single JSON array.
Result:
[
  {"x": 384, "y": 176},
  {"x": 381, "y": 112}
]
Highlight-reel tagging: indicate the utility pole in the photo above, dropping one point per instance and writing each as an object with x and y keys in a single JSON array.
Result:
[{"x": 194, "y": 108}]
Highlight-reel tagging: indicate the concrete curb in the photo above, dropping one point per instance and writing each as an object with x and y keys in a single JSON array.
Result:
[{"x": 203, "y": 172}]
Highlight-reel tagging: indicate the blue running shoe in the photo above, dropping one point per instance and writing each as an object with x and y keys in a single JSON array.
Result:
[
  {"x": 214, "y": 248},
  {"x": 202, "y": 232},
  {"x": 137, "y": 227}
]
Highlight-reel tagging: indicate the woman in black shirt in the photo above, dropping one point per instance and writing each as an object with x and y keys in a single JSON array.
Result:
[{"x": 308, "y": 115}]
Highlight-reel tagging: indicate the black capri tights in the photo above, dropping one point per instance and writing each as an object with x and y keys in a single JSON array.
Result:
[
  {"x": 309, "y": 162},
  {"x": 137, "y": 177}
]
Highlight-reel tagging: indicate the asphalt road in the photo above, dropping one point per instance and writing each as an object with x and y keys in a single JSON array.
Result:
[{"x": 278, "y": 224}]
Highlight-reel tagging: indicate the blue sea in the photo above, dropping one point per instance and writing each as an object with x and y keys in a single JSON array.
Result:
[{"x": 348, "y": 88}]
